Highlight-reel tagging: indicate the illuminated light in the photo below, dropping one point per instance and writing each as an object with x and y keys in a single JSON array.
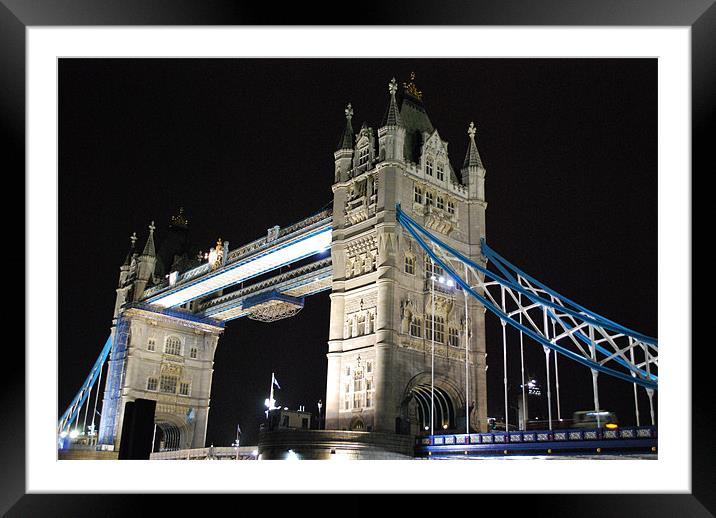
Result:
[
  {"x": 450, "y": 283},
  {"x": 63, "y": 434},
  {"x": 444, "y": 427},
  {"x": 255, "y": 453},
  {"x": 599, "y": 450},
  {"x": 243, "y": 270},
  {"x": 74, "y": 433},
  {"x": 292, "y": 455},
  {"x": 612, "y": 426},
  {"x": 441, "y": 280}
]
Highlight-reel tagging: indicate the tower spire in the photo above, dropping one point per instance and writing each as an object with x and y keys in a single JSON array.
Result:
[
  {"x": 472, "y": 158},
  {"x": 149, "y": 247},
  {"x": 347, "y": 139},
  {"x": 392, "y": 116},
  {"x": 133, "y": 239}
]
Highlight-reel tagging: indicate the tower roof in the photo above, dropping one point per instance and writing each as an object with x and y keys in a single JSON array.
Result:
[
  {"x": 414, "y": 118},
  {"x": 149, "y": 247},
  {"x": 347, "y": 138},
  {"x": 392, "y": 115},
  {"x": 472, "y": 158}
]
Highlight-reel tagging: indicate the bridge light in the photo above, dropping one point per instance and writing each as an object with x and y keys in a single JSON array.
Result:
[
  {"x": 441, "y": 280},
  {"x": 74, "y": 433},
  {"x": 451, "y": 283}
]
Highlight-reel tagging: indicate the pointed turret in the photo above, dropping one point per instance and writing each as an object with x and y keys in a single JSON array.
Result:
[
  {"x": 125, "y": 271},
  {"x": 145, "y": 265},
  {"x": 132, "y": 246},
  {"x": 344, "y": 155},
  {"x": 149, "y": 247},
  {"x": 391, "y": 136},
  {"x": 473, "y": 170}
]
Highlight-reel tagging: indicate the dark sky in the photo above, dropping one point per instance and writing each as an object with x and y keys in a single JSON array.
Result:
[{"x": 570, "y": 151}]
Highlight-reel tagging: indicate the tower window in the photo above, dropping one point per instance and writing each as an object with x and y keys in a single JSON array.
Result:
[
  {"x": 429, "y": 167},
  {"x": 429, "y": 198},
  {"x": 194, "y": 352},
  {"x": 431, "y": 268},
  {"x": 451, "y": 207},
  {"x": 151, "y": 344},
  {"x": 172, "y": 346},
  {"x": 363, "y": 156},
  {"x": 440, "y": 203},
  {"x": 369, "y": 400},
  {"x": 152, "y": 384},
  {"x": 168, "y": 384},
  {"x": 418, "y": 196},
  {"x": 416, "y": 327},
  {"x": 441, "y": 172},
  {"x": 410, "y": 265},
  {"x": 453, "y": 337},
  {"x": 439, "y": 329},
  {"x": 184, "y": 388}
]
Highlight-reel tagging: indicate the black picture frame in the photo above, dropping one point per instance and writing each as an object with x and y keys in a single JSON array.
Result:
[{"x": 700, "y": 15}]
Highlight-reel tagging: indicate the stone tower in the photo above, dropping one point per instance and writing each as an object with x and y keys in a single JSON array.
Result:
[
  {"x": 166, "y": 355},
  {"x": 382, "y": 310}
]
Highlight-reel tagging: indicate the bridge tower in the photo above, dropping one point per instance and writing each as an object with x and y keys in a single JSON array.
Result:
[
  {"x": 160, "y": 354},
  {"x": 380, "y": 348}
]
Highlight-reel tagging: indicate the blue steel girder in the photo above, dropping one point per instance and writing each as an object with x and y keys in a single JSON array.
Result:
[{"x": 624, "y": 354}]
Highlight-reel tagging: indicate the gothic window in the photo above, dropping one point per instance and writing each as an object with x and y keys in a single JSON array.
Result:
[
  {"x": 184, "y": 388},
  {"x": 349, "y": 329},
  {"x": 369, "y": 400},
  {"x": 348, "y": 388},
  {"x": 152, "y": 384},
  {"x": 172, "y": 346},
  {"x": 369, "y": 367},
  {"x": 429, "y": 166},
  {"x": 361, "y": 325},
  {"x": 440, "y": 203},
  {"x": 348, "y": 404},
  {"x": 416, "y": 327},
  {"x": 348, "y": 371},
  {"x": 453, "y": 337},
  {"x": 168, "y": 384},
  {"x": 429, "y": 198},
  {"x": 410, "y": 265},
  {"x": 363, "y": 156},
  {"x": 441, "y": 172},
  {"x": 357, "y": 401},
  {"x": 151, "y": 344},
  {"x": 194, "y": 352},
  {"x": 451, "y": 207},
  {"x": 418, "y": 195},
  {"x": 439, "y": 329},
  {"x": 369, "y": 385},
  {"x": 371, "y": 322},
  {"x": 431, "y": 268},
  {"x": 357, "y": 385}
]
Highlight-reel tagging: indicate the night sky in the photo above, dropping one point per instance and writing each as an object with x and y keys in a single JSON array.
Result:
[{"x": 570, "y": 148}]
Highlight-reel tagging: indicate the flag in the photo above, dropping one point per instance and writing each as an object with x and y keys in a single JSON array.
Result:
[
  {"x": 238, "y": 429},
  {"x": 275, "y": 382}
]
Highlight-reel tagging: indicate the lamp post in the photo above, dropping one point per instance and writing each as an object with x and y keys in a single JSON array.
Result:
[
  {"x": 320, "y": 405},
  {"x": 238, "y": 436}
]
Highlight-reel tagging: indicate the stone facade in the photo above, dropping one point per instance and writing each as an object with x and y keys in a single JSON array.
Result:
[{"x": 380, "y": 344}]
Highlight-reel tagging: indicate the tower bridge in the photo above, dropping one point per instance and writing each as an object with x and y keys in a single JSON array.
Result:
[{"x": 404, "y": 253}]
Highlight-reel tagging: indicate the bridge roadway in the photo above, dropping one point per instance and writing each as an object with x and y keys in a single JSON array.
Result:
[{"x": 299, "y": 241}]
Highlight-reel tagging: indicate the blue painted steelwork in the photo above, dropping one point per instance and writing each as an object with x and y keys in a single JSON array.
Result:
[
  {"x": 76, "y": 405},
  {"x": 113, "y": 385},
  {"x": 261, "y": 298},
  {"x": 576, "y": 440},
  {"x": 414, "y": 229}
]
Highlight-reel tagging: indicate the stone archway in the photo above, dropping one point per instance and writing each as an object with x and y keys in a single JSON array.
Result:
[
  {"x": 422, "y": 399},
  {"x": 171, "y": 433}
]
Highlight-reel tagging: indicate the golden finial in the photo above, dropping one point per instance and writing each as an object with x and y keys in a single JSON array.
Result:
[{"x": 411, "y": 89}]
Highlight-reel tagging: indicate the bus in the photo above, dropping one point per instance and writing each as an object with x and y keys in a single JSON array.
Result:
[{"x": 593, "y": 419}]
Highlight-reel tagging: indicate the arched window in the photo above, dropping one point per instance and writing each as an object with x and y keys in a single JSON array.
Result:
[
  {"x": 151, "y": 344},
  {"x": 410, "y": 265},
  {"x": 418, "y": 194},
  {"x": 441, "y": 172},
  {"x": 439, "y": 329},
  {"x": 172, "y": 345},
  {"x": 429, "y": 166},
  {"x": 440, "y": 203},
  {"x": 429, "y": 198},
  {"x": 416, "y": 327},
  {"x": 194, "y": 352}
]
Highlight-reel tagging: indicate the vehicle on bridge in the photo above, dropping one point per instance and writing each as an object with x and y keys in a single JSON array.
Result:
[{"x": 592, "y": 419}]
